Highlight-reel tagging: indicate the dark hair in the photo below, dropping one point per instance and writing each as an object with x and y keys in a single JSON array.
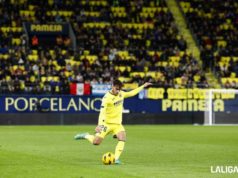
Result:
[{"x": 117, "y": 83}]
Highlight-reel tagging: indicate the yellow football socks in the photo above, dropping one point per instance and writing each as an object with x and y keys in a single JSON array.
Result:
[
  {"x": 90, "y": 138},
  {"x": 119, "y": 149}
]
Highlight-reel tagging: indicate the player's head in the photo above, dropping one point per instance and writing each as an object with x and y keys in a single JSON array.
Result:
[{"x": 116, "y": 86}]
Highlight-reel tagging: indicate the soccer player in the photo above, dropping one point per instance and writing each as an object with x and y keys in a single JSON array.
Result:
[{"x": 110, "y": 117}]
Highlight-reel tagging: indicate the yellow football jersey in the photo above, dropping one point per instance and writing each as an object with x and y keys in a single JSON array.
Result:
[{"x": 112, "y": 106}]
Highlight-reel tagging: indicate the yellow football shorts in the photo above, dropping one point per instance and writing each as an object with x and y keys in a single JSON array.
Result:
[{"x": 110, "y": 129}]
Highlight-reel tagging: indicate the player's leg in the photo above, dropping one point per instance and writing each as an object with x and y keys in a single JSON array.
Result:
[
  {"x": 97, "y": 140},
  {"x": 86, "y": 136},
  {"x": 121, "y": 136},
  {"x": 94, "y": 139},
  {"x": 101, "y": 133}
]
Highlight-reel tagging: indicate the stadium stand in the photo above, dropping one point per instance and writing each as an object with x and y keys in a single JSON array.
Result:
[
  {"x": 214, "y": 25},
  {"x": 134, "y": 41}
]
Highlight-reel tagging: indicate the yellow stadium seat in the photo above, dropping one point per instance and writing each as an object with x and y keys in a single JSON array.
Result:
[
  {"x": 152, "y": 3},
  {"x": 128, "y": 68},
  {"x": 57, "y": 89},
  {"x": 22, "y": 12},
  {"x": 54, "y": 13},
  {"x": 175, "y": 64},
  {"x": 50, "y": 2},
  {"x": 49, "y": 62},
  {"x": 70, "y": 13},
  {"x": 148, "y": 43},
  {"x": 19, "y": 29},
  {"x": 151, "y": 15},
  {"x": 151, "y": 53},
  {"x": 90, "y": 25},
  {"x": 56, "y": 78},
  {"x": 16, "y": 41},
  {"x": 230, "y": 79},
  {"x": 92, "y": 3},
  {"x": 52, "y": 52},
  {"x": 43, "y": 79},
  {"x": 233, "y": 75},
  {"x": 225, "y": 59},
  {"x": 221, "y": 64},
  {"x": 164, "y": 64},
  {"x": 222, "y": 43},
  {"x": 49, "y": 78},
  {"x": 86, "y": 52},
  {"x": 105, "y": 58},
  {"x": 123, "y": 53},
  {"x": 130, "y": 86},
  {"x": 235, "y": 58},
  {"x": 71, "y": 58},
  {"x": 122, "y": 68},
  {"x": 13, "y": 29},
  {"x": 190, "y": 10},
  {"x": 181, "y": 53},
  {"x": 174, "y": 58},
  {"x": 67, "y": 73},
  {"x": 197, "y": 78},
  {"x": 61, "y": 13},
  {"x": 124, "y": 79},
  {"x": 63, "y": 52},
  {"x": 77, "y": 63},
  {"x": 32, "y": 78},
  {"x": 54, "y": 62},
  {"x": 178, "y": 80},
  {"x": 5, "y": 29},
  {"x": 8, "y": 78},
  {"x": 158, "y": 9},
  {"x": 27, "y": 13},
  {"x": 126, "y": 42},
  {"x": 5, "y": 56},
  {"x": 58, "y": 68},
  {"x": 141, "y": 74},
  {"x": 35, "y": 52},
  {"x": 146, "y": 68},
  {"x": 223, "y": 80},
  {"x": 21, "y": 67},
  {"x": 152, "y": 74},
  {"x": 32, "y": 13},
  {"x": 225, "y": 26},
  {"x": 104, "y": 3},
  {"x": 130, "y": 25},
  {"x": 22, "y": 85},
  {"x": 82, "y": 57},
  {"x": 14, "y": 67},
  {"x": 48, "y": 13},
  {"x": 14, "y": 24},
  {"x": 35, "y": 57},
  {"x": 31, "y": 7},
  {"x": 30, "y": 57}
]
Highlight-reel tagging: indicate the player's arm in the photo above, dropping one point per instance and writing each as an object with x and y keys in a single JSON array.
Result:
[{"x": 136, "y": 91}]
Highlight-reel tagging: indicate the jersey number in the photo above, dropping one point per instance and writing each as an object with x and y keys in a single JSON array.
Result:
[{"x": 103, "y": 128}]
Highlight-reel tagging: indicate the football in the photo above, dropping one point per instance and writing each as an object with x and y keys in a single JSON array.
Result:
[{"x": 108, "y": 158}]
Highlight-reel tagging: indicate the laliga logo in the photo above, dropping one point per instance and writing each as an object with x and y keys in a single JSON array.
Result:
[{"x": 224, "y": 169}]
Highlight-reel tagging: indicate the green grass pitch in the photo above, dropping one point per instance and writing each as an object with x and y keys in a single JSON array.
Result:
[{"x": 151, "y": 152}]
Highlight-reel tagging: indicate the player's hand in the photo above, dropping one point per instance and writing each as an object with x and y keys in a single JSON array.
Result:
[{"x": 147, "y": 84}]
